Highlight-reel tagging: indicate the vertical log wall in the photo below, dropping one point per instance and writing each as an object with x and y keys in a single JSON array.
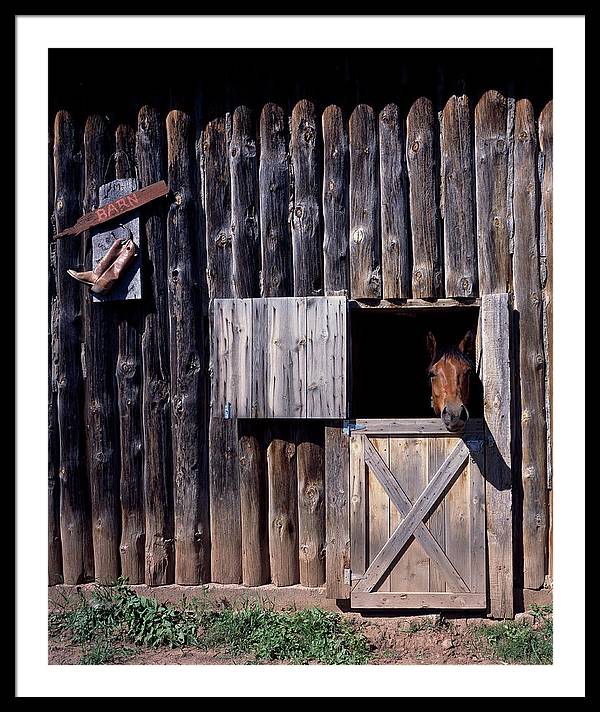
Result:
[{"x": 271, "y": 202}]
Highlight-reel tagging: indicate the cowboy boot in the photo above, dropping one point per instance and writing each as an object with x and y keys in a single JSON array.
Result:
[
  {"x": 105, "y": 262},
  {"x": 104, "y": 283}
]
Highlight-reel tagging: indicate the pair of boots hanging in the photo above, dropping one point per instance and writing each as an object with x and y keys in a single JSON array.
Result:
[{"x": 116, "y": 258}]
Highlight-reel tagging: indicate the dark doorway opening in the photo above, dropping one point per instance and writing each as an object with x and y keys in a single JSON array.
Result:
[{"x": 389, "y": 359}]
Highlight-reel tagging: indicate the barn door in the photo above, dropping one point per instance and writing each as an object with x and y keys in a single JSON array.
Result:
[
  {"x": 417, "y": 520},
  {"x": 279, "y": 357}
]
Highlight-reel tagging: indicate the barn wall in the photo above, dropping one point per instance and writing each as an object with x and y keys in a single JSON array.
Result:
[{"x": 374, "y": 203}]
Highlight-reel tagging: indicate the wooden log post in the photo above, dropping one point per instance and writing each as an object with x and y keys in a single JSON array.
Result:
[
  {"x": 528, "y": 308},
  {"x": 225, "y": 515},
  {"x": 190, "y": 481},
  {"x": 395, "y": 239},
  {"x": 336, "y": 273},
  {"x": 422, "y": 161},
  {"x": 337, "y": 512},
  {"x": 254, "y": 503},
  {"x": 54, "y": 545},
  {"x": 456, "y": 199},
  {"x": 283, "y": 505},
  {"x": 245, "y": 233},
  {"x": 129, "y": 393},
  {"x": 310, "y": 463},
  {"x": 496, "y": 377},
  {"x": 307, "y": 241},
  {"x": 100, "y": 337},
  {"x": 365, "y": 248},
  {"x": 276, "y": 243},
  {"x": 75, "y": 522},
  {"x": 493, "y": 141},
  {"x": 546, "y": 252},
  {"x": 156, "y": 408}
]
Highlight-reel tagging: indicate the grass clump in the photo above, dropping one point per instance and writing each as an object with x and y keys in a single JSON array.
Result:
[
  {"x": 519, "y": 643},
  {"x": 117, "y": 617}
]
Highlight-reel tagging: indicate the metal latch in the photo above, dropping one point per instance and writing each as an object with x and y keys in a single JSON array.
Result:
[
  {"x": 349, "y": 425},
  {"x": 228, "y": 412}
]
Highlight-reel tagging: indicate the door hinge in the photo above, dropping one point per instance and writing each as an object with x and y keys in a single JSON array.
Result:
[
  {"x": 228, "y": 411},
  {"x": 349, "y": 425}
]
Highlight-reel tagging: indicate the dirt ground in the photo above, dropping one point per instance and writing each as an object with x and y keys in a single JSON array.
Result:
[{"x": 395, "y": 641}]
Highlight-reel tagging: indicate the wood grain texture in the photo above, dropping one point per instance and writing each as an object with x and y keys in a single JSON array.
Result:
[
  {"x": 286, "y": 354},
  {"x": 54, "y": 545},
  {"x": 225, "y": 515},
  {"x": 492, "y": 149},
  {"x": 253, "y": 503},
  {"x": 283, "y": 506},
  {"x": 307, "y": 233},
  {"x": 528, "y": 308},
  {"x": 100, "y": 349},
  {"x": 378, "y": 513},
  {"x": 231, "y": 363},
  {"x": 336, "y": 177},
  {"x": 129, "y": 400},
  {"x": 496, "y": 378},
  {"x": 458, "y": 525},
  {"x": 326, "y": 357},
  {"x": 456, "y": 198},
  {"x": 437, "y": 450},
  {"x": 358, "y": 508},
  {"x": 337, "y": 513},
  {"x": 408, "y": 459},
  {"x": 310, "y": 465},
  {"x": 395, "y": 238},
  {"x": 423, "y": 168},
  {"x": 365, "y": 248},
  {"x": 188, "y": 360},
  {"x": 217, "y": 206},
  {"x": 156, "y": 402},
  {"x": 546, "y": 263},
  {"x": 245, "y": 233},
  {"x": 431, "y": 601},
  {"x": 276, "y": 241}
]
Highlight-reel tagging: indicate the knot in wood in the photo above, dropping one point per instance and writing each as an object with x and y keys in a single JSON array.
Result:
[
  {"x": 496, "y": 221},
  {"x": 331, "y": 185},
  {"x": 309, "y": 134},
  {"x": 500, "y": 144},
  {"x": 233, "y": 151},
  {"x": 60, "y": 204},
  {"x": 290, "y": 450},
  {"x": 178, "y": 198},
  {"x": 298, "y": 212},
  {"x": 127, "y": 368},
  {"x": 523, "y": 135},
  {"x": 418, "y": 275},
  {"x": 415, "y": 147},
  {"x": 223, "y": 239},
  {"x": 358, "y": 235},
  {"x": 465, "y": 284},
  {"x": 366, "y": 150}
]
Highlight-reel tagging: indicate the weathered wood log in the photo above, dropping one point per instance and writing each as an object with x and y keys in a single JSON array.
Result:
[
  {"x": 188, "y": 360},
  {"x": 217, "y": 201},
  {"x": 129, "y": 391},
  {"x": 254, "y": 503},
  {"x": 245, "y": 233},
  {"x": 528, "y": 313},
  {"x": 310, "y": 464},
  {"x": 307, "y": 242},
  {"x": 456, "y": 199},
  {"x": 422, "y": 161},
  {"x": 395, "y": 239},
  {"x": 336, "y": 270},
  {"x": 75, "y": 518},
  {"x": 276, "y": 242},
  {"x": 493, "y": 141},
  {"x": 546, "y": 251},
  {"x": 100, "y": 344},
  {"x": 497, "y": 377},
  {"x": 283, "y": 505},
  {"x": 365, "y": 248},
  {"x": 337, "y": 512},
  {"x": 156, "y": 407},
  {"x": 54, "y": 546},
  {"x": 225, "y": 524}
]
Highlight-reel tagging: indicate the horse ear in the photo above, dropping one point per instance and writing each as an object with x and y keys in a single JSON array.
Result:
[
  {"x": 467, "y": 345},
  {"x": 431, "y": 344}
]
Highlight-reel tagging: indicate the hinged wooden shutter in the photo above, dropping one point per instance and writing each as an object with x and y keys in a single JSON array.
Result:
[{"x": 281, "y": 357}]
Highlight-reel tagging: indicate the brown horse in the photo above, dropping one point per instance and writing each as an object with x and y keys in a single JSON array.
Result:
[{"x": 450, "y": 375}]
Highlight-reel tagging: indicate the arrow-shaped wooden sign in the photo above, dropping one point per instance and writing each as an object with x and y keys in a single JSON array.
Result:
[{"x": 118, "y": 207}]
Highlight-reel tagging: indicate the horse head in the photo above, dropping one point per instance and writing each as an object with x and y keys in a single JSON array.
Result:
[{"x": 450, "y": 374}]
